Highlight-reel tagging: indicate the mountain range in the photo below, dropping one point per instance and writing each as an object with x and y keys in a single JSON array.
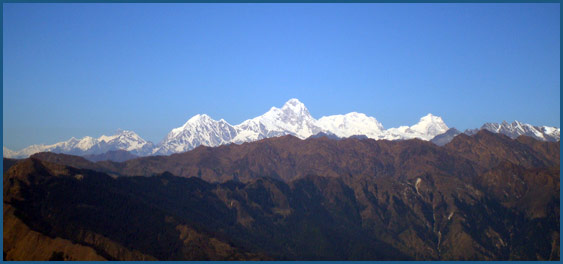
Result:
[
  {"x": 293, "y": 118},
  {"x": 483, "y": 196},
  {"x": 122, "y": 140}
]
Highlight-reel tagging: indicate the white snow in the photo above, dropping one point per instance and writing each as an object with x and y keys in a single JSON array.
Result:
[
  {"x": 427, "y": 128},
  {"x": 124, "y": 139},
  {"x": 8, "y": 153},
  {"x": 293, "y": 118},
  {"x": 351, "y": 124},
  {"x": 518, "y": 128}
]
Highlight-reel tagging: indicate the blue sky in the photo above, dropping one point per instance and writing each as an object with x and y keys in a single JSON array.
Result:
[{"x": 89, "y": 69}]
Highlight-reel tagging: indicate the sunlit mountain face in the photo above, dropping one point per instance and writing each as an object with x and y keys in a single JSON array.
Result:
[{"x": 293, "y": 118}]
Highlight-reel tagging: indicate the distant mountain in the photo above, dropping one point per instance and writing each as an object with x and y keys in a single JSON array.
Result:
[
  {"x": 480, "y": 197},
  {"x": 293, "y": 118},
  {"x": 516, "y": 129},
  {"x": 446, "y": 137},
  {"x": 351, "y": 124},
  {"x": 113, "y": 155},
  {"x": 8, "y": 153},
  {"x": 122, "y": 140},
  {"x": 427, "y": 128},
  {"x": 198, "y": 130},
  {"x": 513, "y": 130}
]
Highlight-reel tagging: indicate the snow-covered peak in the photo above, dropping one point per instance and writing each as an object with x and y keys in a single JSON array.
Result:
[
  {"x": 351, "y": 124},
  {"x": 8, "y": 153},
  {"x": 127, "y": 140},
  {"x": 120, "y": 133},
  {"x": 517, "y": 128},
  {"x": 122, "y": 140},
  {"x": 199, "y": 118},
  {"x": 128, "y": 133},
  {"x": 427, "y": 128},
  {"x": 295, "y": 106},
  {"x": 292, "y": 119},
  {"x": 201, "y": 129},
  {"x": 430, "y": 117},
  {"x": 293, "y": 102},
  {"x": 86, "y": 143},
  {"x": 105, "y": 138},
  {"x": 292, "y": 109},
  {"x": 551, "y": 130},
  {"x": 430, "y": 125}
]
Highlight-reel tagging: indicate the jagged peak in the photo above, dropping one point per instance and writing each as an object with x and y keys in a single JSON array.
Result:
[
  {"x": 295, "y": 106},
  {"x": 356, "y": 114},
  {"x": 430, "y": 125},
  {"x": 293, "y": 102},
  {"x": 199, "y": 117},
  {"x": 124, "y": 132},
  {"x": 195, "y": 120},
  {"x": 431, "y": 117}
]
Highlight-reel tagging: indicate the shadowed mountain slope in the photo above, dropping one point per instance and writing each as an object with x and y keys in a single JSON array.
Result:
[
  {"x": 287, "y": 158},
  {"x": 481, "y": 197},
  {"x": 115, "y": 155}
]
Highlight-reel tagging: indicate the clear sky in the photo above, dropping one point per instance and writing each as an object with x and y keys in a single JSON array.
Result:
[{"x": 89, "y": 69}]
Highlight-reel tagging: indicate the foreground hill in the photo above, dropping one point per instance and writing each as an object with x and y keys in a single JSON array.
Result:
[{"x": 481, "y": 197}]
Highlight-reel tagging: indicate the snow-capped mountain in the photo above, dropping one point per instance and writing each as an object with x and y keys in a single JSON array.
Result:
[
  {"x": 351, "y": 124},
  {"x": 198, "y": 130},
  {"x": 123, "y": 139},
  {"x": 9, "y": 153},
  {"x": 516, "y": 129},
  {"x": 427, "y": 128},
  {"x": 293, "y": 118},
  {"x": 512, "y": 130}
]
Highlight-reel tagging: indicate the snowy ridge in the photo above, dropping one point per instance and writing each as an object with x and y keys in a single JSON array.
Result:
[
  {"x": 512, "y": 130},
  {"x": 427, "y": 128},
  {"x": 9, "y": 153},
  {"x": 123, "y": 139},
  {"x": 199, "y": 130},
  {"x": 293, "y": 118},
  {"x": 351, "y": 124},
  {"x": 516, "y": 129}
]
